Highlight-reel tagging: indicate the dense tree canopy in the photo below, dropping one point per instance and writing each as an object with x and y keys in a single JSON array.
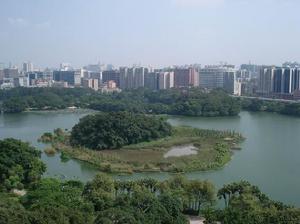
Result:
[
  {"x": 51, "y": 201},
  {"x": 245, "y": 203},
  {"x": 20, "y": 164},
  {"x": 104, "y": 201},
  {"x": 190, "y": 102},
  {"x": 286, "y": 108},
  {"x": 20, "y": 99},
  {"x": 117, "y": 129}
]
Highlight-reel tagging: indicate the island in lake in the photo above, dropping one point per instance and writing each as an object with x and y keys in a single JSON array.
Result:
[{"x": 123, "y": 142}]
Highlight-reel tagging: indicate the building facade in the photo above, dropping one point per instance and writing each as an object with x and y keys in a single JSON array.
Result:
[
  {"x": 27, "y": 67},
  {"x": 278, "y": 81},
  {"x": 71, "y": 77},
  {"x": 90, "y": 83},
  {"x": 132, "y": 78},
  {"x": 225, "y": 77},
  {"x": 186, "y": 77},
  {"x": 111, "y": 75},
  {"x": 11, "y": 73},
  {"x": 166, "y": 80},
  {"x": 151, "y": 80}
]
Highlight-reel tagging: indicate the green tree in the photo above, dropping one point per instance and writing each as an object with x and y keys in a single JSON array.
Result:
[
  {"x": 53, "y": 201},
  {"x": 20, "y": 164},
  {"x": 200, "y": 193},
  {"x": 114, "y": 130},
  {"x": 100, "y": 191}
]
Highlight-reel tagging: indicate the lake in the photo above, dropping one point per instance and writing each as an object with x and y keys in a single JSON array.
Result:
[{"x": 270, "y": 156}]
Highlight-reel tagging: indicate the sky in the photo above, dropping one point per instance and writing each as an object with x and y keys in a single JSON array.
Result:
[{"x": 149, "y": 32}]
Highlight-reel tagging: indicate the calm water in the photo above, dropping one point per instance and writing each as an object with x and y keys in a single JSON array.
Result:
[
  {"x": 184, "y": 150},
  {"x": 270, "y": 157}
]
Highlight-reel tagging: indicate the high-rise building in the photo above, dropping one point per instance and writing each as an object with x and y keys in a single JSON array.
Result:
[
  {"x": 224, "y": 76},
  {"x": 230, "y": 83},
  {"x": 253, "y": 70},
  {"x": 186, "y": 77},
  {"x": 211, "y": 77},
  {"x": 48, "y": 75},
  {"x": 296, "y": 79},
  {"x": 123, "y": 77},
  {"x": 132, "y": 78},
  {"x": 95, "y": 75},
  {"x": 166, "y": 80},
  {"x": 139, "y": 77},
  {"x": 82, "y": 73},
  {"x": 111, "y": 75},
  {"x": 288, "y": 74},
  {"x": 27, "y": 67},
  {"x": 71, "y": 77},
  {"x": 90, "y": 83},
  {"x": 266, "y": 81},
  {"x": 1, "y": 75},
  {"x": 11, "y": 73},
  {"x": 278, "y": 81},
  {"x": 151, "y": 80}
]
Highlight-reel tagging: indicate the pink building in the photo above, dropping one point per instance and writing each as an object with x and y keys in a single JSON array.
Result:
[{"x": 186, "y": 77}]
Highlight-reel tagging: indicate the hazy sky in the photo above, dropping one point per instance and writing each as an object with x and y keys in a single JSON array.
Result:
[{"x": 150, "y": 32}]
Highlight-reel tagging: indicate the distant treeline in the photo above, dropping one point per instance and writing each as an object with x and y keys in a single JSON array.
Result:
[
  {"x": 190, "y": 102},
  {"x": 17, "y": 100},
  {"x": 285, "y": 108}
]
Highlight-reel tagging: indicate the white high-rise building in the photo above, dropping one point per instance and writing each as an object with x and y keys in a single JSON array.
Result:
[
  {"x": 166, "y": 80},
  {"x": 132, "y": 78},
  {"x": 266, "y": 80},
  {"x": 27, "y": 67},
  {"x": 278, "y": 81}
]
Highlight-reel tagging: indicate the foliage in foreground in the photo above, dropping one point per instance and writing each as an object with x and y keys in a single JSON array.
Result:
[
  {"x": 246, "y": 204},
  {"x": 106, "y": 201},
  {"x": 20, "y": 164}
]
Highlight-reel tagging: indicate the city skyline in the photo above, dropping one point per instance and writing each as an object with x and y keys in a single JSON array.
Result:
[{"x": 158, "y": 33}]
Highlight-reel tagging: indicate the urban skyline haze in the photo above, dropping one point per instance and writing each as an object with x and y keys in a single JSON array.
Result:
[{"x": 156, "y": 32}]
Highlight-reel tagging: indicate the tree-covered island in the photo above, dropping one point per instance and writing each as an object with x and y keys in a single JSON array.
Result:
[{"x": 126, "y": 142}]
